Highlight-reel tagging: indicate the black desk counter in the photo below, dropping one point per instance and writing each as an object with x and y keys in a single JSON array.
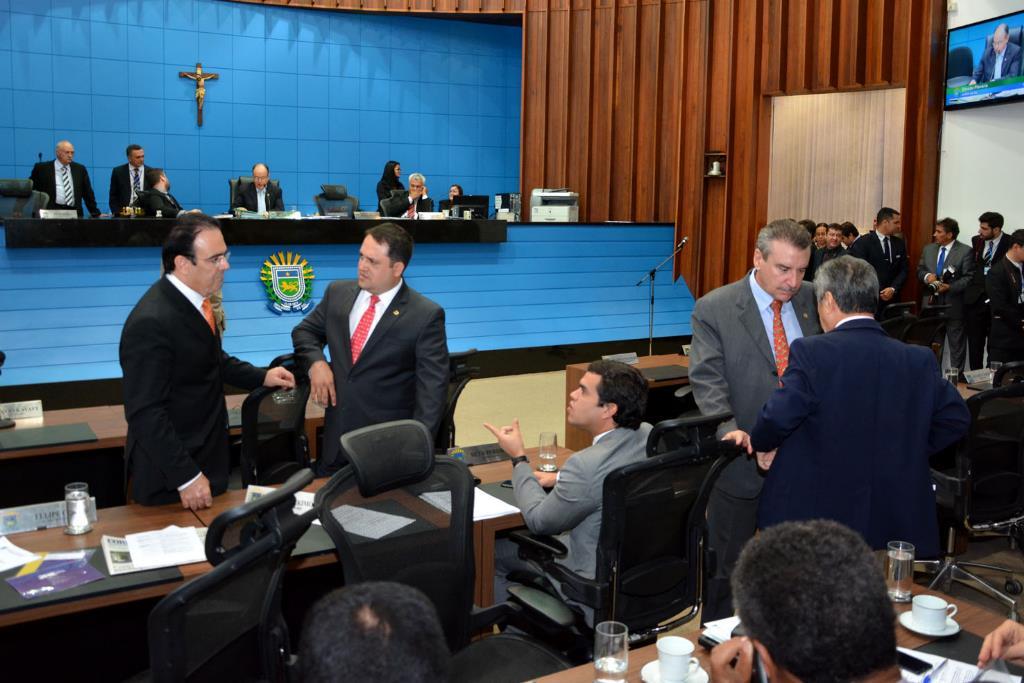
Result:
[{"x": 150, "y": 232}]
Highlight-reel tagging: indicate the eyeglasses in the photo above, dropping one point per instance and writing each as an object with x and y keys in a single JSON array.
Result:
[{"x": 215, "y": 260}]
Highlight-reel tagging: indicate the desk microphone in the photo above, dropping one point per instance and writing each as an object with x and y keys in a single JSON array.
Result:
[
  {"x": 40, "y": 155},
  {"x": 4, "y": 422}
]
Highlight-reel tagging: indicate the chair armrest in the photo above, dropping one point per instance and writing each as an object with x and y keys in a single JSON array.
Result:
[
  {"x": 543, "y": 546},
  {"x": 948, "y": 484},
  {"x": 577, "y": 588},
  {"x": 539, "y": 603},
  {"x": 485, "y": 617}
]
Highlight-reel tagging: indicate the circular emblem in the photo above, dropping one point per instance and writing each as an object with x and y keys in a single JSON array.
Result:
[{"x": 288, "y": 279}]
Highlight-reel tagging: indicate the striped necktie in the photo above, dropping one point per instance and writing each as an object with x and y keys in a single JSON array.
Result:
[
  {"x": 136, "y": 186},
  {"x": 69, "y": 190}
]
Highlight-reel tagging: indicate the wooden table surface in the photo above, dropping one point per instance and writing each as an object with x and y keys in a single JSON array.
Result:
[{"x": 971, "y": 618}]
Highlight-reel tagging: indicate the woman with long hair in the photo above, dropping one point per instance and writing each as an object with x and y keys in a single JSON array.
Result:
[{"x": 389, "y": 180}]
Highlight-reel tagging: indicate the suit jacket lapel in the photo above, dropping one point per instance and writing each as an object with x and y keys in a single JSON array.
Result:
[
  {"x": 752, "y": 321},
  {"x": 391, "y": 316},
  {"x": 344, "y": 307},
  {"x": 193, "y": 318}
]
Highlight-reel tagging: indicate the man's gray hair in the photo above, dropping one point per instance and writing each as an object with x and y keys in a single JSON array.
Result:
[
  {"x": 783, "y": 230},
  {"x": 852, "y": 281},
  {"x": 418, "y": 176}
]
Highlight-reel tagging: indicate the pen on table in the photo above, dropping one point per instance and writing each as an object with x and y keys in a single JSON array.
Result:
[{"x": 935, "y": 670}]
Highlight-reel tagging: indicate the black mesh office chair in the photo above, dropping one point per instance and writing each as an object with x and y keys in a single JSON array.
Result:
[
  {"x": 459, "y": 373},
  {"x": 274, "y": 443},
  {"x": 334, "y": 200},
  {"x": 395, "y": 513},
  {"x": 1009, "y": 373},
  {"x": 239, "y": 184},
  {"x": 650, "y": 556},
  {"x": 930, "y": 332},
  {"x": 898, "y": 310},
  {"x": 983, "y": 490},
  {"x": 934, "y": 311},
  {"x": 227, "y": 623}
]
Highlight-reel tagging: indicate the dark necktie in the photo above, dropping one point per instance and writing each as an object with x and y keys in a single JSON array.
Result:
[
  {"x": 135, "y": 180},
  {"x": 941, "y": 263},
  {"x": 885, "y": 249},
  {"x": 988, "y": 253}
]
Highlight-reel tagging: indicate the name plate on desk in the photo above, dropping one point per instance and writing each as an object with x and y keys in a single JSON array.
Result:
[
  {"x": 39, "y": 516},
  {"x": 21, "y": 410}
]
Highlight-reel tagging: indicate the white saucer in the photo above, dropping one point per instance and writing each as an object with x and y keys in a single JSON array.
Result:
[
  {"x": 652, "y": 674},
  {"x": 907, "y": 620}
]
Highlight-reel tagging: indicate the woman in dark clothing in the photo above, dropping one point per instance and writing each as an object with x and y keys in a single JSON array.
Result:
[{"x": 389, "y": 181}]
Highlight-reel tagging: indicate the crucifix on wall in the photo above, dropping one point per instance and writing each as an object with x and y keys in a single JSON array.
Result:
[{"x": 200, "y": 78}]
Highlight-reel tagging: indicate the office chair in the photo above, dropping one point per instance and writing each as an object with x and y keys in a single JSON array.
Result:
[
  {"x": 934, "y": 311},
  {"x": 959, "y": 66},
  {"x": 396, "y": 204},
  {"x": 459, "y": 374},
  {"x": 238, "y": 185},
  {"x": 334, "y": 200},
  {"x": 898, "y": 310},
  {"x": 647, "y": 575},
  {"x": 423, "y": 510},
  {"x": 983, "y": 490},
  {"x": 1009, "y": 373},
  {"x": 227, "y": 624},
  {"x": 274, "y": 444},
  {"x": 930, "y": 332},
  {"x": 19, "y": 200}
]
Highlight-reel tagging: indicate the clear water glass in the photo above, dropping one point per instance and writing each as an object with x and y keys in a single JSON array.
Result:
[
  {"x": 899, "y": 570},
  {"x": 611, "y": 652},
  {"x": 548, "y": 452},
  {"x": 76, "y": 500}
]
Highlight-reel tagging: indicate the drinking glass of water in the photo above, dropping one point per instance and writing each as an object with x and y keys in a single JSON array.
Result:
[
  {"x": 548, "y": 452},
  {"x": 611, "y": 652},
  {"x": 76, "y": 500},
  {"x": 899, "y": 570}
]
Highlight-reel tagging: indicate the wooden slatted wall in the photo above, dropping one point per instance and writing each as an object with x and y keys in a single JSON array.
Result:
[{"x": 623, "y": 98}]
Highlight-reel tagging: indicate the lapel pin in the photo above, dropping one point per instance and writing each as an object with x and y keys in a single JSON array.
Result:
[
  {"x": 805, "y": 316},
  {"x": 395, "y": 312}
]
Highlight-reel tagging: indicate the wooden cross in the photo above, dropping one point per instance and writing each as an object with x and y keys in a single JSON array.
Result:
[{"x": 200, "y": 78}]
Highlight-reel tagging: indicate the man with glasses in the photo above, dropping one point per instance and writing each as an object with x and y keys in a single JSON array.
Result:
[
  {"x": 174, "y": 374},
  {"x": 260, "y": 195}
]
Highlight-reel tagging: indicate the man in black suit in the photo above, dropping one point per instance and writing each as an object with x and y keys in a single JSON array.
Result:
[
  {"x": 990, "y": 246},
  {"x": 1001, "y": 58},
  {"x": 260, "y": 195},
  {"x": 389, "y": 354},
  {"x": 66, "y": 182},
  {"x": 174, "y": 374},
  {"x": 1005, "y": 286},
  {"x": 886, "y": 253},
  {"x": 127, "y": 180},
  {"x": 158, "y": 198},
  {"x": 408, "y": 205}
]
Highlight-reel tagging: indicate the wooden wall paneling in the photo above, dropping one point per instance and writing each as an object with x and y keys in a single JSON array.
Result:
[
  {"x": 718, "y": 110},
  {"x": 580, "y": 98},
  {"x": 349, "y": 4},
  {"x": 825, "y": 38},
  {"x": 775, "y": 25},
  {"x": 601, "y": 112},
  {"x": 623, "y": 151},
  {"x": 446, "y": 5},
  {"x": 533, "y": 142},
  {"x": 922, "y": 128},
  {"x": 798, "y": 47},
  {"x": 557, "y": 124},
  {"x": 493, "y": 6},
  {"x": 647, "y": 140},
  {"x": 878, "y": 43},
  {"x": 669, "y": 133},
  {"x": 852, "y": 15},
  {"x": 900, "y": 41}
]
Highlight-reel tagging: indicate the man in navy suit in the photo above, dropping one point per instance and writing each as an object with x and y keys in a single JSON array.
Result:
[
  {"x": 128, "y": 180},
  {"x": 1001, "y": 58},
  {"x": 886, "y": 253},
  {"x": 874, "y": 476},
  {"x": 260, "y": 195}
]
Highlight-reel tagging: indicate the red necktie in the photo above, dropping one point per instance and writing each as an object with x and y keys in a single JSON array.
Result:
[
  {"x": 411, "y": 212},
  {"x": 779, "y": 342},
  {"x": 363, "y": 328},
  {"x": 208, "y": 314}
]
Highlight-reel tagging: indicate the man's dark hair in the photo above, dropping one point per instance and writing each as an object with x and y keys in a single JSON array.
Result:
[
  {"x": 784, "y": 230},
  {"x": 153, "y": 175},
  {"x": 852, "y": 281},
  {"x": 131, "y": 148},
  {"x": 886, "y": 214},
  {"x": 809, "y": 225},
  {"x": 624, "y": 386},
  {"x": 949, "y": 225},
  {"x": 850, "y": 230},
  {"x": 373, "y": 631},
  {"x": 182, "y": 240},
  {"x": 1017, "y": 237},
  {"x": 813, "y": 594},
  {"x": 994, "y": 219},
  {"x": 397, "y": 240}
]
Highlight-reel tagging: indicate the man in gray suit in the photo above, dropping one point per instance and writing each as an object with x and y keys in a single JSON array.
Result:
[
  {"x": 740, "y": 348},
  {"x": 608, "y": 404},
  {"x": 946, "y": 268}
]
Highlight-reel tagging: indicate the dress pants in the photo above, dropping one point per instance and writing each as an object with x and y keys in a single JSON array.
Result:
[
  {"x": 732, "y": 522},
  {"x": 957, "y": 342},
  {"x": 977, "y": 320}
]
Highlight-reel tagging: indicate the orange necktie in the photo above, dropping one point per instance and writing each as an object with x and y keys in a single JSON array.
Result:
[
  {"x": 779, "y": 342},
  {"x": 208, "y": 314}
]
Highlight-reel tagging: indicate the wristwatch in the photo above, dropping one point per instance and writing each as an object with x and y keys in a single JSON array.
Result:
[{"x": 518, "y": 459}]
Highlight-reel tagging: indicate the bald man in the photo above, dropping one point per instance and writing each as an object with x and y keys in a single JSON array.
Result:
[
  {"x": 260, "y": 195},
  {"x": 66, "y": 182}
]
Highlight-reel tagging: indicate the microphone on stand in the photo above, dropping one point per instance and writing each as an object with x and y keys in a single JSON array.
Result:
[
  {"x": 4, "y": 422},
  {"x": 40, "y": 155},
  {"x": 649, "y": 277}
]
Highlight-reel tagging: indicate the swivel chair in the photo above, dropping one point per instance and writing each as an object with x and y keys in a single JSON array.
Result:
[
  {"x": 647, "y": 575},
  {"x": 899, "y": 310},
  {"x": 459, "y": 374},
  {"x": 227, "y": 624},
  {"x": 983, "y": 490},
  {"x": 1009, "y": 373},
  {"x": 274, "y": 444},
  {"x": 334, "y": 200},
  {"x": 18, "y": 199},
  {"x": 397, "y": 513},
  {"x": 238, "y": 185},
  {"x": 930, "y": 332},
  {"x": 959, "y": 66}
]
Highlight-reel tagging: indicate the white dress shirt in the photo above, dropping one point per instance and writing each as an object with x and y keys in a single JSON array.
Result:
[
  {"x": 790, "y": 323},
  {"x": 261, "y": 199},
  {"x": 363, "y": 302},
  {"x": 59, "y": 184}
]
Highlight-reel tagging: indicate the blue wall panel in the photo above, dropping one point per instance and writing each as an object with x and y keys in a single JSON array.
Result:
[
  {"x": 63, "y": 309},
  {"x": 321, "y": 96}
]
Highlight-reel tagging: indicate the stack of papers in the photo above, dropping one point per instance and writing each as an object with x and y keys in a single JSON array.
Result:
[
  {"x": 721, "y": 630},
  {"x": 485, "y": 506},
  {"x": 154, "y": 549},
  {"x": 12, "y": 556},
  {"x": 303, "y": 499}
]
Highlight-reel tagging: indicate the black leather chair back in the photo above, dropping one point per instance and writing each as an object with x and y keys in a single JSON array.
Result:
[
  {"x": 459, "y": 373},
  {"x": 274, "y": 443}
]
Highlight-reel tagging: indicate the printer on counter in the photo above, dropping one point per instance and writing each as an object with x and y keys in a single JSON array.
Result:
[{"x": 554, "y": 206}]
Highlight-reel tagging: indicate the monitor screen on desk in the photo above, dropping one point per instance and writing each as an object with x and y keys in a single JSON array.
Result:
[{"x": 479, "y": 204}]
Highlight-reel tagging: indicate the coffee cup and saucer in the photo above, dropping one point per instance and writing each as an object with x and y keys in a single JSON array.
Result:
[
  {"x": 932, "y": 616},
  {"x": 675, "y": 663}
]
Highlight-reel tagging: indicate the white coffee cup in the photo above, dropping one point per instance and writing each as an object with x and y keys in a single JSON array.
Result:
[
  {"x": 930, "y": 612},
  {"x": 675, "y": 660}
]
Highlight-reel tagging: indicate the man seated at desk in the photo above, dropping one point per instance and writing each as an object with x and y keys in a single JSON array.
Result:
[
  {"x": 260, "y": 195},
  {"x": 607, "y": 404},
  {"x": 158, "y": 200},
  {"x": 409, "y": 205}
]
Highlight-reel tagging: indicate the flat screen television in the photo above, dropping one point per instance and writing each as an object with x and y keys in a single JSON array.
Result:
[
  {"x": 984, "y": 62},
  {"x": 479, "y": 204}
]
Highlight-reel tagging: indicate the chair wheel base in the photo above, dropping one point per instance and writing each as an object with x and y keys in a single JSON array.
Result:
[{"x": 1013, "y": 587}]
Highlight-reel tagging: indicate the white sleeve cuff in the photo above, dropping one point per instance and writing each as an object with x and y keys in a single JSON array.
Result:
[{"x": 189, "y": 482}]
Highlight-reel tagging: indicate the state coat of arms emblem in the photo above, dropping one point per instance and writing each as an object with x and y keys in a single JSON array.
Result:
[{"x": 288, "y": 281}]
